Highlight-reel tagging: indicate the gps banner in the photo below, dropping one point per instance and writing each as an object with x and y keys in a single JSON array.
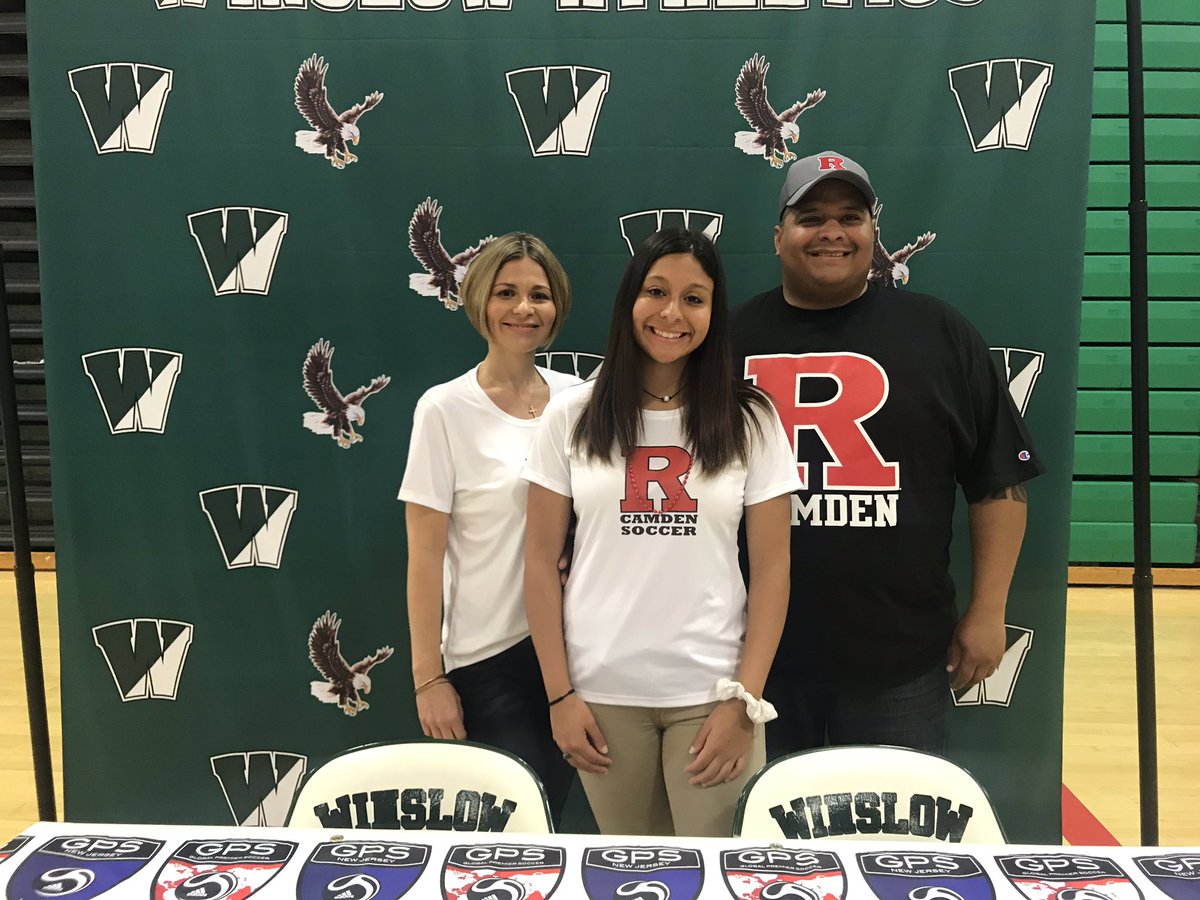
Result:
[{"x": 232, "y": 191}]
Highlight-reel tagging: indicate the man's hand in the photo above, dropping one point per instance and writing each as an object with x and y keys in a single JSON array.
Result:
[
  {"x": 976, "y": 648},
  {"x": 997, "y": 524},
  {"x": 440, "y": 711},
  {"x": 578, "y": 736},
  {"x": 721, "y": 745}
]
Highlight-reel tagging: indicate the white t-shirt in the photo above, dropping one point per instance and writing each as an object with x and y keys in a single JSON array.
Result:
[
  {"x": 465, "y": 459},
  {"x": 655, "y": 609}
]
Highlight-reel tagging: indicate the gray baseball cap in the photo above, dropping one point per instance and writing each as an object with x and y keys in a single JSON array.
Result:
[{"x": 805, "y": 173}]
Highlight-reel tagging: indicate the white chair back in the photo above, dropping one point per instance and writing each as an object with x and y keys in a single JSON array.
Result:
[
  {"x": 866, "y": 793},
  {"x": 424, "y": 785}
]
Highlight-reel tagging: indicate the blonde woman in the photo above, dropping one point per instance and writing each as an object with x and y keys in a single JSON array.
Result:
[{"x": 474, "y": 669}]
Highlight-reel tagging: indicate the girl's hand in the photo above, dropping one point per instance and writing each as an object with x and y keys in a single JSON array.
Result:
[
  {"x": 721, "y": 745},
  {"x": 578, "y": 736},
  {"x": 440, "y": 712}
]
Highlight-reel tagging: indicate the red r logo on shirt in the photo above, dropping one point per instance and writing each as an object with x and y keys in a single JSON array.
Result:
[
  {"x": 668, "y": 467},
  {"x": 862, "y": 391}
]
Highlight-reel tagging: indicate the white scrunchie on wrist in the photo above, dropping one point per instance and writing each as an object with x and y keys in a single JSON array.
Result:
[{"x": 758, "y": 711}]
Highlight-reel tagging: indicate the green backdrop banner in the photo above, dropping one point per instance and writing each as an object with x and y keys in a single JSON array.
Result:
[{"x": 194, "y": 249}]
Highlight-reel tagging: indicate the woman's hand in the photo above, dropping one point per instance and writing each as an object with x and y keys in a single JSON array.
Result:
[
  {"x": 578, "y": 736},
  {"x": 440, "y": 712},
  {"x": 721, "y": 745}
]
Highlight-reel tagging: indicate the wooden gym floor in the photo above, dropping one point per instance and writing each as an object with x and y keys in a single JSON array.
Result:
[{"x": 1100, "y": 724}]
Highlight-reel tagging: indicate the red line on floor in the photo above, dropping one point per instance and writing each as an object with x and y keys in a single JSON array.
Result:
[{"x": 1079, "y": 827}]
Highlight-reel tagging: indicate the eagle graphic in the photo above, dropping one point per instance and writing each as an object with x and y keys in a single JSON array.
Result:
[
  {"x": 332, "y": 130},
  {"x": 343, "y": 682},
  {"x": 338, "y": 414},
  {"x": 771, "y": 130},
  {"x": 891, "y": 269},
  {"x": 443, "y": 272}
]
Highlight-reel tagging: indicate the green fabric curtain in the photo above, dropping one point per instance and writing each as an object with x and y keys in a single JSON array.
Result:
[{"x": 192, "y": 254}]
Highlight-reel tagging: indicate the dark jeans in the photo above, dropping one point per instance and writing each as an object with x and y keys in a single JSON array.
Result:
[
  {"x": 912, "y": 714},
  {"x": 504, "y": 706}
]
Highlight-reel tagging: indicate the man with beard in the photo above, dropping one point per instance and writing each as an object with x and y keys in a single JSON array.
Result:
[{"x": 892, "y": 403}]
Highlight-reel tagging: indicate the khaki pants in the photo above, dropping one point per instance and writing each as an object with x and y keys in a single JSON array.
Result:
[{"x": 646, "y": 790}]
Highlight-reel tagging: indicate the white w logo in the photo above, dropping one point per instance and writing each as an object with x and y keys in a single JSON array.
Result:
[
  {"x": 573, "y": 362},
  {"x": 638, "y": 226},
  {"x": 145, "y": 656},
  {"x": 997, "y": 689},
  {"x": 259, "y": 786},
  {"x": 1021, "y": 368},
  {"x": 134, "y": 385},
  {"x": 559, "y": 106},
  {"x": 239, "y": 245},
  {"x": 1000, "y": 99},
  {"x": 122, "y": 103},
  {"x": 250, "y": 521}
]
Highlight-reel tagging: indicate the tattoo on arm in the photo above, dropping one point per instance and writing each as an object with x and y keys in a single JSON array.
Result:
[{"x": 1017, "y": 492}]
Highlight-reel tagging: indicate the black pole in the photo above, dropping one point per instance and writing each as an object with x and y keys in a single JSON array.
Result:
[
  {"x": 1139, "y": 357},
  {"x": 31, "y": 640}
]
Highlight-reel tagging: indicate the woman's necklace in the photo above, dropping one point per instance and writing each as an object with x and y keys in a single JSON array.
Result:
[
  {"x": 664, "y": 398},
  {"x": 533, "y": 412}
]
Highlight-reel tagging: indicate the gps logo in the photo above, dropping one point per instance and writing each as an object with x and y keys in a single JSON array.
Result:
[
  {"x": 207, "y": 886},
  {"x": 351, "y": 887},
  {"x": 642, "y": 890},
  {"x": 1176, "y": 876},
  {"x": 1068, "y": 877},
  {"x": 61, "y": 882},
  {"x": 496, "y": 889},
  {"x": 361, "y": 870},
  {"x": 787, "y": 890},
  {"x": 933, "y": 893},
  {"x": 642, "y": 873}
]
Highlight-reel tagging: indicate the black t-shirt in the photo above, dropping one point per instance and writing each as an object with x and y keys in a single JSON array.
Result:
[{"x": 891, "y": 402}]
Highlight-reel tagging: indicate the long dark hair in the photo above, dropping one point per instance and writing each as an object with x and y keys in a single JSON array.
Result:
[{"x": 717, "y": 405}]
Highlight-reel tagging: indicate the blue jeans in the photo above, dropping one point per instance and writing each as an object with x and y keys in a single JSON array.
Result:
[
  {"x": 504, "y": 706},
  {"x": 912, "y": 714}
]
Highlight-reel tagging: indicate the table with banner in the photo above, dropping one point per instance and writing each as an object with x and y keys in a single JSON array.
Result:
[{"x": 173, "y": 862}]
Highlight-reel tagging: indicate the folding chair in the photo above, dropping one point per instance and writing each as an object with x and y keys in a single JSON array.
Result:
[
  {"x": 420, "y": 785},
  {"x": 866, "y": 793}
]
